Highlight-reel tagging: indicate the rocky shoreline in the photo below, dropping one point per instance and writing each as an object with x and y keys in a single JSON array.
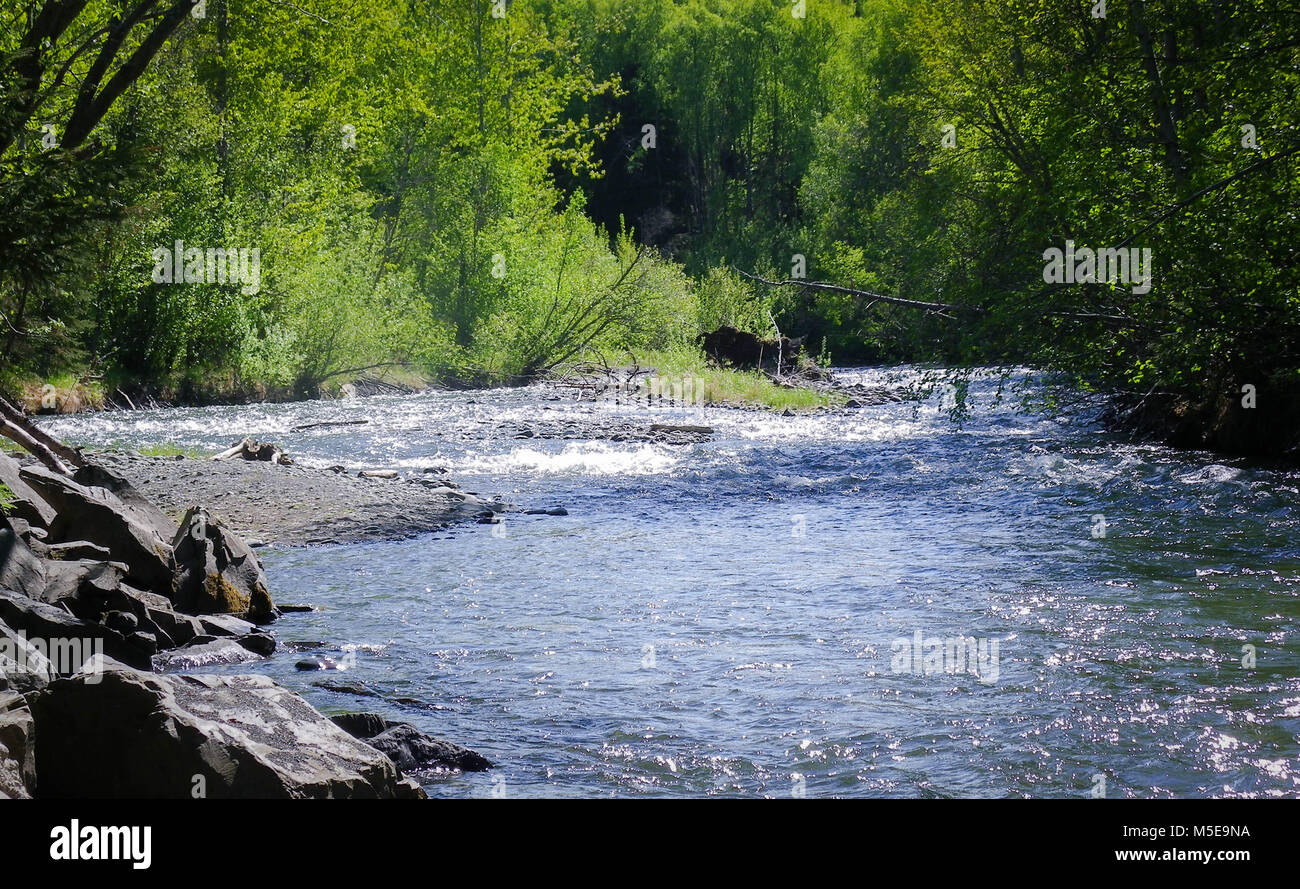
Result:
[
  {"x": 295, "y": 505},
  {"x": 125, "y": 566}
]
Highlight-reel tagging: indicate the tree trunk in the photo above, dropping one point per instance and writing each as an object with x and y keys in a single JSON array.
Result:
[
  {"x": 49, "y": 450},
  {"x": 1166, "y": 126}
]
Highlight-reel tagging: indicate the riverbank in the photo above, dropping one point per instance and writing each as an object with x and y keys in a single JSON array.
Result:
[
  {"x": 801, "y": 386},
  {"x": 105, "y": 590},
  {"x": 301, "y": 505},
  {"x": 1261, "y": 421}
]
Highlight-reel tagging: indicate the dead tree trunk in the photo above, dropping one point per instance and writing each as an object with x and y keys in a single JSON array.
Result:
[{"x": 49, "y": 450}]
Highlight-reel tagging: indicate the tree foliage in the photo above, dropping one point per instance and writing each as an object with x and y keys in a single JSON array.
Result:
[{"x": 478, "y": 189}]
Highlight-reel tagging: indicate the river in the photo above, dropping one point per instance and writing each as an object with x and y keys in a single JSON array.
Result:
[{"x": 880, "y": 602}]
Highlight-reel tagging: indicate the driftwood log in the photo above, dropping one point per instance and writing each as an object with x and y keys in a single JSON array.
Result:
[
  {"x": 50, "y": 451},
  {"x": 251, "y": 449},
  {"x": 305, "y": 426}
]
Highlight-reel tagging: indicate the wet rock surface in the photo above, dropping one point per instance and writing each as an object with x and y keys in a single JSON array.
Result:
[{"x": 408, "y": 747}]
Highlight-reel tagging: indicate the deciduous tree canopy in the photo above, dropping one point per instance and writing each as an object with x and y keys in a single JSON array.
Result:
[{"x": 482, "y": 189}]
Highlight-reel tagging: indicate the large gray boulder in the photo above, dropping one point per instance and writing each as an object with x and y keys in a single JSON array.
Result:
[
  {"x": 140, "y": 508},
  {"x": 137, "y": 536},
  {"x": 17, "y": 759},
  {"x": 20, "y": 569},
  {"x": 147, "y": 735},
  {"x": 216, "y": 571},
  {"x": 27, "y": 504},
  {"x": 70, "y": 637}
]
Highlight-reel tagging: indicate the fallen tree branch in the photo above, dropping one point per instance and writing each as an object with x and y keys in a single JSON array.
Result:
[
  {"x": 938, "y": 308},
  {"x": 945, "y": 310},
  {"x": 49, "y": 450},
  {"x": 306, "y": 426},
  {"x": 31, "y": 445},
  {"x": 253, "y": 450}
]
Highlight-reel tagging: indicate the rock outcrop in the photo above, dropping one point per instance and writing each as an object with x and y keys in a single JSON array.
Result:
[
  {"x": 216, "y": 572},
  {"x": 408, "y": 747},
  {"x": 98, "y": 588},
  {"x": 90, "y": 542},
  {"x": 132, "y": 734}
]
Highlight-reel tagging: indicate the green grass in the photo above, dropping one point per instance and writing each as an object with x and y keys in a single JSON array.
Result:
[
  {"x": 168, "y": 450},
  {"x": 7, "y": 497},
  {"x": 740, "y": 388}
]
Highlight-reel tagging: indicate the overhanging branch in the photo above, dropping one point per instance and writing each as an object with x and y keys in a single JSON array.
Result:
[{"x": 946, "y": 309}]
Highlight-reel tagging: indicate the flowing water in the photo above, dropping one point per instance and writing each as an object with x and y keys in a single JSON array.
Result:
[{"x": 871, "y": 603}]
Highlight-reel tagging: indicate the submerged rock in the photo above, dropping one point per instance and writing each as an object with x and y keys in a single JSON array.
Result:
[
  {"x": 348, "y": 688},
  {"x": 681, "y": 427},
  {"x": 408, "y": 747},
  {"x": 206, "y": 652},
  {"x": 317, "y": 663},
  {"x": 144, "y": 735}
]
